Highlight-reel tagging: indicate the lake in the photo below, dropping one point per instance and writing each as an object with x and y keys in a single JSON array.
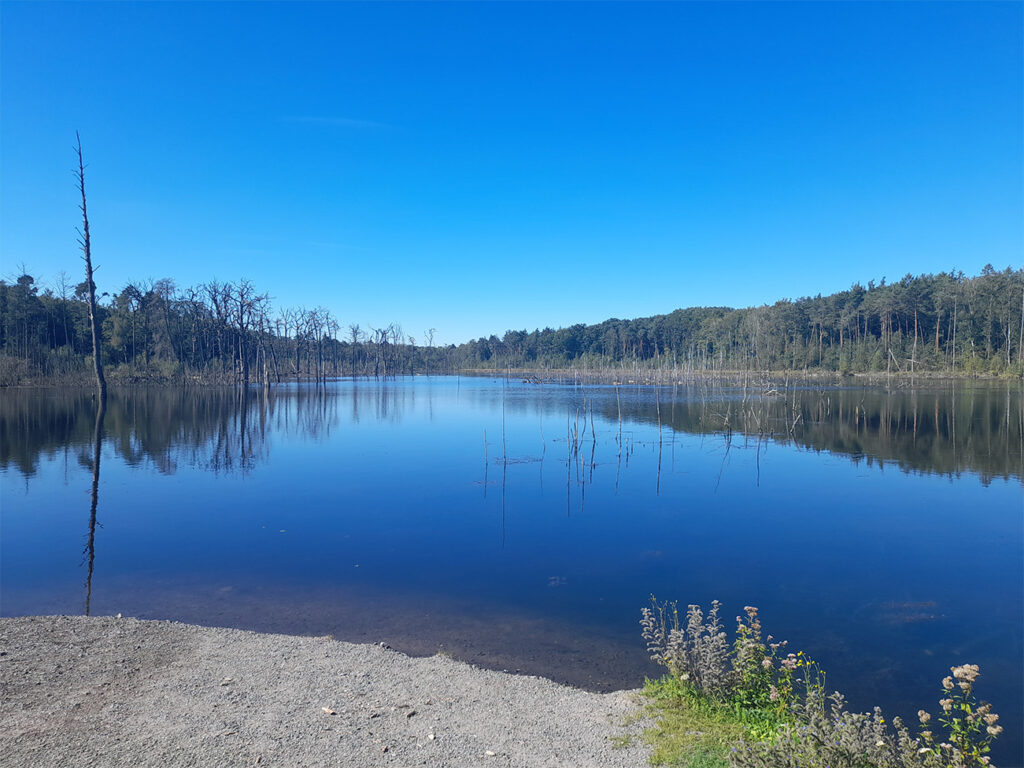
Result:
[{"x": 523, "y": 526}]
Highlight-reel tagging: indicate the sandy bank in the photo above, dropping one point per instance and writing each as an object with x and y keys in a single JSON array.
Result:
[{"x": 101, "y": 691}]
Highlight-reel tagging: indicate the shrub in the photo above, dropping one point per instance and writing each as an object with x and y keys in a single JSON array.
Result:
[
  {"x": 13, "y": 371},
  {"x": 748, "y": 706}
]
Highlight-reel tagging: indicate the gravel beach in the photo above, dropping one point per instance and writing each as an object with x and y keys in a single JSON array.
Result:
[{"x": 103, "y": 691}]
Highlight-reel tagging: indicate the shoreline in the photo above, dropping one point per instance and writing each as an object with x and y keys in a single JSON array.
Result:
[
  {"x": 103, "y": 691},
  {"x": 641, "y": 376}
]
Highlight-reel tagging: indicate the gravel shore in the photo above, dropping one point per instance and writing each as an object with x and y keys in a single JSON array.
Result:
[{"x": 102, "y": 691}]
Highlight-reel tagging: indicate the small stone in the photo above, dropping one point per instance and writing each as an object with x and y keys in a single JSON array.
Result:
[
  {"x": 431, "y": 736},
  {"x": 410, "y": 713},
  {"x": 489, "y": 753}
]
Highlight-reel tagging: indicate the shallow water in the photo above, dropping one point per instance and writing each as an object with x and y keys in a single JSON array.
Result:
[{"x": 879, "y": 531}]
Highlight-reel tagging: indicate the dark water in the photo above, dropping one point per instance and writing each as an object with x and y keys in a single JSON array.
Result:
[{"x": 881, "y": 532}]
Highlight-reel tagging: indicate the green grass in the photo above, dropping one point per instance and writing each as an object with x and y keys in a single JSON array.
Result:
[
  {"x": 691, "y": 731},
  {"x": 688, "y": 731}
]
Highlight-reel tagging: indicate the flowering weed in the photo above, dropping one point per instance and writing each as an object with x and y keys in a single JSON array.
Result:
[{"x": 746, "y": 705}]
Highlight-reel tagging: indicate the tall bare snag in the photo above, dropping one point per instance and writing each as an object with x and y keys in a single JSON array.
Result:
[{"x": 83, "y": 241}]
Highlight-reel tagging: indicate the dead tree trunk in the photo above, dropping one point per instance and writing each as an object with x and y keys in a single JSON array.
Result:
[{"x": 101, "y": 383}]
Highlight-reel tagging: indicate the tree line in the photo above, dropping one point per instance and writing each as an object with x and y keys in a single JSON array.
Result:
[
  {"x": 230, "y": 333},
  {"x": 945, "y": 323},
  {"x": 216, "y": 333}
]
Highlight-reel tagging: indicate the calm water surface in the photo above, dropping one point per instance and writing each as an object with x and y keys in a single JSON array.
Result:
[{"x": 523, "y": 526}]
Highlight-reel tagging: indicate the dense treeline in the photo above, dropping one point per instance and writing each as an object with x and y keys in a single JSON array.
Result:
[
  {"x": 945, "y": 322},
  {"x": 230, "y": 333},
  {"x": 213, "y": 333}
]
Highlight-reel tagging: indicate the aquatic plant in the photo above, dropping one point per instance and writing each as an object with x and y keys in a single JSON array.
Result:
[{"x": 745, "y": 705}]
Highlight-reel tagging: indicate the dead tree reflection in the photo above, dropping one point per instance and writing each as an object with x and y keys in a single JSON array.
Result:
[{"x": 94, "y": 497}]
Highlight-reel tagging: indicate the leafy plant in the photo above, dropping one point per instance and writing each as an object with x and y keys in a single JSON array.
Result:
[{"x": 746, "y": 705}]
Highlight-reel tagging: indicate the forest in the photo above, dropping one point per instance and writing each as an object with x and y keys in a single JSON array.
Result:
[{"x": 229, "y": 333}]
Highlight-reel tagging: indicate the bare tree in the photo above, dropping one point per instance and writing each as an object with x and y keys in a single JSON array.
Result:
[
  {"x": 86, "y": 245},
  {"x": 290, "y": 318},
  {"x": 64, "y": 289},
  {"x": 164, "y": 291},
  {"x": 379, "y": 337},
  {"x": 219, "y": 295},
  {"x": 247, "y": 307}
]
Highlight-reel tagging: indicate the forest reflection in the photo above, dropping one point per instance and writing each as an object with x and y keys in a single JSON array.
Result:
[{"x": 946, "y": 430}]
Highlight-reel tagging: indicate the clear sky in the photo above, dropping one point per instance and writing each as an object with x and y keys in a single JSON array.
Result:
[{"x": 475, "y": 167}]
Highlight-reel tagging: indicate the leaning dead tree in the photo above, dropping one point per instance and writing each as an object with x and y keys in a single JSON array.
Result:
[{"x": 83, "y": 241}]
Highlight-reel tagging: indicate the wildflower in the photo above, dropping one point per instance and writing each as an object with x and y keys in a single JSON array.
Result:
[
  {"x": 767, "y": 663},
  {"x": 923, "y": 751},
  {"x": 923, "y": 716},
  {"x": 990, "y": 719},
  {"x": 773, "y": 693},
  {"x": 947, "y": 683},
  {"x": 967, "y": 672},
  {"x": 926, "y": 735},
  {"x": 994, "y": 730},
  {"x": 946, "y": 704}
]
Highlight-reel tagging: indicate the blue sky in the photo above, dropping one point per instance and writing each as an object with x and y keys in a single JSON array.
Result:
[{"x": 475, "y": 167}]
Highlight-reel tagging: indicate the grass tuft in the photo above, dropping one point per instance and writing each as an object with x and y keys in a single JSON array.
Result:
[{"x": 688, "y": 730}]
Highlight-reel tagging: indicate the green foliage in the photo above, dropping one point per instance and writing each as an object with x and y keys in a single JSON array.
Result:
[
  {"x": 750, "y": 707},
  {"x": 13, "y": 370},
  {"x": 946, "y": 322},
  {"x": 690, "y": 730},
  {"x": 971, "y": 725},
  {"x": 716, "y": 695}
]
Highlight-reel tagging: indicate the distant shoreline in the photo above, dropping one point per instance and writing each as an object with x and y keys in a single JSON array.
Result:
[
  {"x": 668, "y": 376},
  {"x": 643, "y": 376}
]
